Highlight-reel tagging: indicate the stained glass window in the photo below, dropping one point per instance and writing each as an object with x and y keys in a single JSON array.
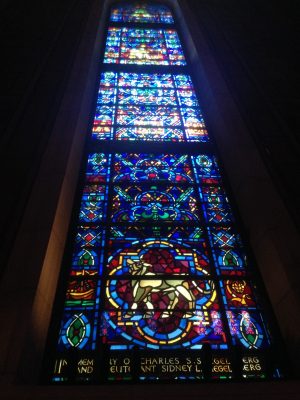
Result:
[
  {"x": 158, "y": 284},
  {"x": 143, "y": 47},
  {"x": 142, "y": 13},
  {"x": 148, "y": 107}
]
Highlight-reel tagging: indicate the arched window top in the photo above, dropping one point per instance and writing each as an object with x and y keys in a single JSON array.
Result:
[{"x": 141, "y": 13}]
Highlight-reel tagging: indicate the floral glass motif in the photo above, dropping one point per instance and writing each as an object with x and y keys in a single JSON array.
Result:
[
  {"x": 140, "y": 204},
  {"x": 150, "y": 167},
  {"x": 151, "y": 107},
  {"x": 157, "y": 262}
]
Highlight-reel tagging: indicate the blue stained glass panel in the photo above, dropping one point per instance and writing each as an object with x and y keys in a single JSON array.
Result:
[
  {"x": 155, "y": 231},
  {"x": 159, "y": 81},
  {"x": 88, "y": 236},
  {"x": 215, "y": 205},
  {"x": 147, "y": 204},
  {"x": 145, "y": 115},
  {"x": 247, "y": 328},
  {"x": 151, "y": 167},
  {"x": 192, "y": 118},
  {"x": 206, "y": 167},
  {"x": 108, "y": 78},
  {"x": 86, "y": 262},
  {"x": 224, "y": 237},
  {"x": 150, "y": 134},
  {"x": 187, "y": 98},
  {"x": 183, "y": 82},
  {"x": 143, "y": 47},
  {"x": 106, "y": 95},
  {"x": 97, "y": 168},
  {"x": 93, "y": 203},
  {"x": 230, "y": 261},
  {"x": 77, "y": 329},
  {"x": 167, "y": 330},
  {"x": 136, "y": 96},
  {"x": 169, "y": 220},
  {"x": 104, "y": 115},
  {"x": 102, "y": 132},
  {"x": 150, "y": 107}
]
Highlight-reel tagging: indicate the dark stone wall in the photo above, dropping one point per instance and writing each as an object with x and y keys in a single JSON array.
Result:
[
  {"x": 40, "y": 39},
  {"x": 40, "y": 157},
  {"x": 246, "y": 75},
  {"x": 255, "y": 45}
]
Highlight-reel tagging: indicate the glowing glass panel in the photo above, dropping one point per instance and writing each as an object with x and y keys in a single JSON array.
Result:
[
  {"x": 157, "y": 262},
  {"x": 149, "y": 189},
  {"x": 152, "y": 167},
  {"x": 151, "y": 107},
  {"x": 166, "y": 256},
  {"x": 141, "y": 13},
  {"x": 152, "y": 203},
  {"x": 175, "y": 250},
  {"x": 143, "y": 47}
]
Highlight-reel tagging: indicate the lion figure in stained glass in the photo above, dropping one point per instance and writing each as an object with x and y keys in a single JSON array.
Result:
[{"x": 143, "y": 288}]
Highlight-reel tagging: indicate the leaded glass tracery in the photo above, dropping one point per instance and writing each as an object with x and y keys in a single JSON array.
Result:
[
  {"x": 152, "y": 107},
  {"x": 158, "y": 269},
  {"x": 143, "y": 47},
  {"x": 142, "y": 13}
]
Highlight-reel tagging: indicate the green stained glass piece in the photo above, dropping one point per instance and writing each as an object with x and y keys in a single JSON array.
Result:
[
  {"x": 251, "y": 339},
  {"x": 76, "y": 331},
  {"x": 229, "y": 259},
  {"x": 198, "y": 234},
  {"x": 249, "y": 331},
  {"x": 99, "y": 158},
  {"x": 86, "y": 259}
]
